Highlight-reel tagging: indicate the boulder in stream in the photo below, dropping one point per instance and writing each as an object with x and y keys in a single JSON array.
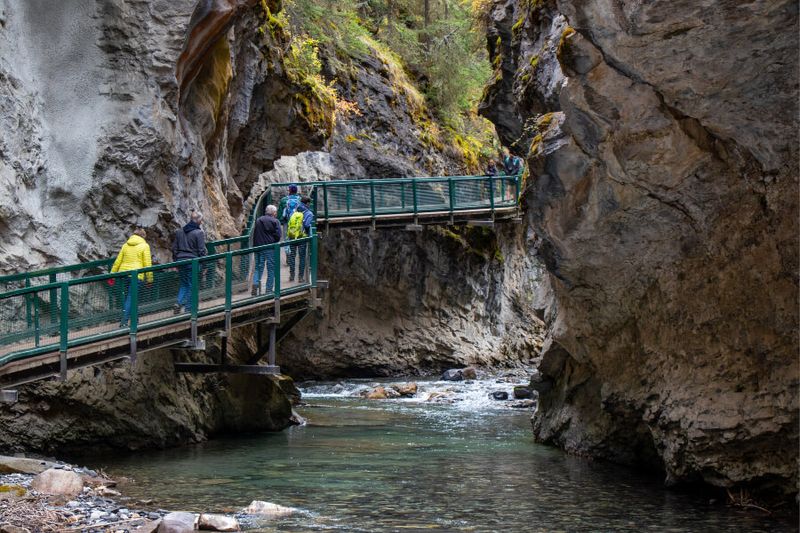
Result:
[
  {"x": 217, "y": 522},
  {"x": 453, "y": 374},
  {"x": 378, "y": 393},
  {"x": 406, "y": 389},
  {"x": 499, "y": 395},
  {"x": 522, "y": 392},
  {"x": 178, "y": 523},
  {"x": 268, "y": 510},
  {"x": 469, "y": 373}
]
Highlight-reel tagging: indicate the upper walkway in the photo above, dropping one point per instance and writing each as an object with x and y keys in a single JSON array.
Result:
[{"x": 69, "y": 316}]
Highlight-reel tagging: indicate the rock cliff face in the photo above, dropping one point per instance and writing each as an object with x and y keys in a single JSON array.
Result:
[
  {"x": 662, "y": 143},
  {"x": 123, "y": 113}
]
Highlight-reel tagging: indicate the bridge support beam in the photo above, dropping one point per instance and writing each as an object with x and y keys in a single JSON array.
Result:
[
  {"x": 209, "y": 368},
  {"x": 8, "y": 396},
  {"x": 62, "y": 372}
]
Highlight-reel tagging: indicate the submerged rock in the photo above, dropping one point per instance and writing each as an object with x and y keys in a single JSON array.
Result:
[
  {"x": 499, "y": 395},
  {"x": 522, "y": 404},
  {"x": 58, "y": 482}
]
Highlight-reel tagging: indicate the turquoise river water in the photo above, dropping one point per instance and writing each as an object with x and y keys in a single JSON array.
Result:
[{"x": 464, "y": 464}]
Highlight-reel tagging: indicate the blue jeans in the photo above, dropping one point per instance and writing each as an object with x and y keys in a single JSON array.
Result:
[
  {"x": 267, "y": 256},
  {"x": 126, "y": 307},
  {"x": 185, "y": 284},
  {"x": 294, "y": 250}
]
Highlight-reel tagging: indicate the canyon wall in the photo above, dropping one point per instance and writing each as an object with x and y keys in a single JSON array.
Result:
[
  {"x": 663, "y": 151},
  {"x": 128, "y": 113}
]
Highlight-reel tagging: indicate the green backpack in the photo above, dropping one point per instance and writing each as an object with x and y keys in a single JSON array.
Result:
[{"x": 295, "y": 228}]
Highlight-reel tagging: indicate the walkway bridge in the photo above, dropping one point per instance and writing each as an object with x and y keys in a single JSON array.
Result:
[{"x": 68, "y": 317}]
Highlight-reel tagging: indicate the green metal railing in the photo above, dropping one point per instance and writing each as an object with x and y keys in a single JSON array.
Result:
[
  {"x": 65, "y": 314},
  {"x": 66, "y": 306}
]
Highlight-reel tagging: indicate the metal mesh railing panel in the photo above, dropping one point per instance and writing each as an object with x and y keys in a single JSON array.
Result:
[{"x": 28, "y": 321}]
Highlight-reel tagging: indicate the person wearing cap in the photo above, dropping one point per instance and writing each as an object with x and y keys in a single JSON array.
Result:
[{"x": 286, "y": 208}]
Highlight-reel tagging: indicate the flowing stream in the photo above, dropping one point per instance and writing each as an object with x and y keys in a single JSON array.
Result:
[{"x": 462, "y": 462}]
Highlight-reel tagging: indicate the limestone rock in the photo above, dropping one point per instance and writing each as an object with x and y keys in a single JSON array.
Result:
[
  {"x": 150, "y": 526},
  {"x": 522, "y": 392},
  {"x": 406, "y": 389},
  {"x": 178, "y": 522},
  {"x": 469, "y": 373},
  {"x": 58, "y": 482},
  {"x": 23, "y": 465},
  {"x": 217, "y": 522},
  {"x": 663, "y": 187},
  {"x": 268, "y": 510},
  {"x": 378, "y": 393},
  {"x": 499, "y": 395},
  {"x": 9, "y": 528}
]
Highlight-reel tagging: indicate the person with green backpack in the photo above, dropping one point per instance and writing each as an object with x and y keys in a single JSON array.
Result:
[{"x": 299, "y": 227}]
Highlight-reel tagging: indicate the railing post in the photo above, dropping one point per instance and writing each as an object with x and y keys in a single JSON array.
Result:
[
  {"x": 314, "y": 258},
  {"x": 347, "y": 197},
  {"x": 516, "y": 189},
  {"x": 314, "y": 204},
  {"x": 491, "y": 194},
  {"x": 372, "y": 200},
  {"x": 325, "y": 199},
  {"x": 452, "y": 193},
  {"x": 503, "y": 190},
  {"x": 228, "y": 291},
  {"x": 414, "y": 195},
  {"x": 277, "y": 251},
  {"x": 28, "y": 314},
  {"x": 403, "y": 195},
  {"x": 36, "y": 332},
  {"x": 134, "y": 312},
  {"x": 195, "y": 298},
  {"x": 63, "y": 327},
  {"x": 53, "y": 300}
]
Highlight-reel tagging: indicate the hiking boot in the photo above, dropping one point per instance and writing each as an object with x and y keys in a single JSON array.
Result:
[
  {"x": 255, "y": 290},
  {"x": 176, "y": 309},
  {"x": 291, "y": 278},
  {"x": 301, "y": 280}
]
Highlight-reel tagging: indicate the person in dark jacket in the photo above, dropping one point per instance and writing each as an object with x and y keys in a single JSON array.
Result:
[
  {"x": 491, "y": 168},
  {"x": 267, "y": 230},
  {"x": 190, "y": 242}
]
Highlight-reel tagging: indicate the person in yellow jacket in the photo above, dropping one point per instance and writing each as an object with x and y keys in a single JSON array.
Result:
[{"x": 135, "y": 254}]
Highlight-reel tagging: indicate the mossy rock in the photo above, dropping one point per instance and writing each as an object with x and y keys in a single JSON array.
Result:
[{"x": 13, "y": 490}]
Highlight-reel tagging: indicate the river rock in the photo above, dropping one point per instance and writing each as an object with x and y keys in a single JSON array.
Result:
[
  {"x": 58, "y": 482},
  {"x": 522, "y": 392},
  {"x": 406, "y": 389},
  {"x": 469, "y": 373},
  {"x": 217, "y": 522},
  {"x": 23, "y": 465},
  {"x": 267, "y": 509},
  {"x": 499, "y": 395},
  {"x": 178, "y": 522},
  {"x": 378, "y": 393},
  {"x": 453, "y": 374},
  {"x": 522, "y": 404}
]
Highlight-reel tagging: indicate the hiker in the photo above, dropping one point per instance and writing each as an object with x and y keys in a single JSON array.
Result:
[
  {"x": 267, "y": 230},
  {"x": 512, "y": 164},
  {"x": 299, "y": 227},
  {"x": 134, "y": 255},
  {"x": 286, "y": 208},
  {"x": 190, "y": 242},
  {"x": 491, "y": 168}
]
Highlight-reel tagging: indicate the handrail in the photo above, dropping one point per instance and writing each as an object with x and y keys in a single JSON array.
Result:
[
  {"x": 88, "y": 309},
  {"x": 415, "y": 200}
]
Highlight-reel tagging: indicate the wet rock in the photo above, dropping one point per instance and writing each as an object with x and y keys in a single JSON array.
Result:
[
  {"x": 469, "y": 373},
  {"x": 178, "y": 523},
  {"x": 268, "y": 510},
  {"x": 522, "y": 392},
  {"x": 217, "y": 522},
  {"x": 378, "y": 393},
  {"x": 453, "y": 374},
  {"x": 58, "y": 482},
  {"x": 297, "y": 419},
  {"x": 406, "y": 389},
  {"x": 522, "y": 404},
  {"x": 499, "y": 395},
  {"x": 23, "y": 465}
]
